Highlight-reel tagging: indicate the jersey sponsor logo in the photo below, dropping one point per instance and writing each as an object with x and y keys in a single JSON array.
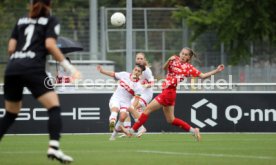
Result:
[
  {"x": 126, "y": 87},
  {"x": 40, "y": 114},
  {"x": 210, "y": 106},
  {"x": 28, "y": 54},
  {"x": 41, "y": 21},
  {"x": 232, "y": 113}
]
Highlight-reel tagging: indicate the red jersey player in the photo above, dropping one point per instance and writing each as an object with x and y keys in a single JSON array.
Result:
[{"x": 178, "y": 67}]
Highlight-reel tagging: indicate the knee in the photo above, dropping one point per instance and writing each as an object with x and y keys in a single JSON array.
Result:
[
  {"x": 123, "y": 116},
  {"x": 13, "y": 107}
]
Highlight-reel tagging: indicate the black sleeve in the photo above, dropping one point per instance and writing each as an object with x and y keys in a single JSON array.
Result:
[
  {"x": 53, "y": 28},
  {"x": 15, "y": 32}
]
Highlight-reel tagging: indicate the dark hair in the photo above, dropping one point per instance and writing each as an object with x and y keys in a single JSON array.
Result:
[
  {"x": 46, "y": 2},
  {"x": 40, "y": 8},
  {"x": 143, "y": 68}
]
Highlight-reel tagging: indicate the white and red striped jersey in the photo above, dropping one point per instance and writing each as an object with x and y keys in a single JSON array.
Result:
[
  {"x": 147, "y": 76},
  {"x": 126, "y": 88}
]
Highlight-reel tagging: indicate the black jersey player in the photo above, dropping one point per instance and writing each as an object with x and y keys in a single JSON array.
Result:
[{"x": 32, "y": 39}]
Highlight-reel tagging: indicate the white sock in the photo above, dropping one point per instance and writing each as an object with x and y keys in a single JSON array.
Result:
[
  {"x": 113, "y": 116},
  {"x": 141, "y": 128},
  {"x": 192, "y": 130},
  {"x": 114, "y": 133},
  {"x": 118, "y": 124},
  {"x": 127, "y": 124},
  {"x": 54, "y": 143}
]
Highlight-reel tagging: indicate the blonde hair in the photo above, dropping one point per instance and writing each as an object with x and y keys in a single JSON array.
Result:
[
  {"x": 192, "y": 53},
  {"x": 147, "y": 64}
]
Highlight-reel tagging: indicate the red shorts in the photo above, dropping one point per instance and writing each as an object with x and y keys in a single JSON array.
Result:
[{"x": 167, "y": 97}]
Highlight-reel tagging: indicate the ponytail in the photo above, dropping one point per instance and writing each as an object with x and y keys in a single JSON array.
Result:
[{"x": 39, "y": 9}]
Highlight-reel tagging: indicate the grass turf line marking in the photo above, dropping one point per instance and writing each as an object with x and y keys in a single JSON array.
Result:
[{"x": 208, "y": 155}]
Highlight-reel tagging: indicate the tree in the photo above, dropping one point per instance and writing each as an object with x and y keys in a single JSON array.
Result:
[{"x": 236, "y": 23}]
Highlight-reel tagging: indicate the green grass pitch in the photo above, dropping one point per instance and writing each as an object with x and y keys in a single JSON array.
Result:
[{"x": 151, "y": 149}]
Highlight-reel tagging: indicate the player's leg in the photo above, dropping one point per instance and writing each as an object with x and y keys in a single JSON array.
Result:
[
  {"x": 12, "y": 110},
  {"x": 140, "y": 108},
  {"x": 120, "y": 123},
  {"x": 153, "y": 106},
  {"x": 13, "y": 89},
  {"x": 127, "y": 122},
  {"x": 126, "y": 125},
  {"x": 45, "y": 94},
  {"x": 114, "y": 106},
  {"x": 51, "y": 102},
  {"x": 170, "y": 118}
]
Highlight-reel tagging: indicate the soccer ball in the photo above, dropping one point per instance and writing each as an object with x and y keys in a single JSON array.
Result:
[{"x": 118, "y": 19}]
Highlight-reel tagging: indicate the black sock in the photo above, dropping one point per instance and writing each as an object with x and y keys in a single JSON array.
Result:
[
  {"x": 54, "y": 123},
  {"x": 6, "y": 122}
]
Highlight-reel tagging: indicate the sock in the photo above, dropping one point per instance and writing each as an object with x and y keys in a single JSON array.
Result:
[
  {"x": 182, "y": 124},
  {"x": 142, "y": 119},
  {"x": 6, "y": 122},
  {"x": 54, "y": 123},
  {"x": 127, "y": 124},
  {"x": 192, "y": 130},
  {"x": 117, "y": 126},
  {"x": 113, "y": 116},
  {"x": 141, "y": 128},
  {"x": 54, "y": 144}
]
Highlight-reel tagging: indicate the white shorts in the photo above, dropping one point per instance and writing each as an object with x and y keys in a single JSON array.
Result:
[
  {"x": 144, "y": 99},
  {"x": 122, "y": 105}
]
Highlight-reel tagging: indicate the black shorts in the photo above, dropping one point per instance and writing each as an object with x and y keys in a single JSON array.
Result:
[{"x": 37, "y": 83}]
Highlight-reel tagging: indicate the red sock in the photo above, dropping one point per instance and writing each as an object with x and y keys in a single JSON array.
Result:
[
  {"x": 182, "y": 124},
  {"x": 142, "y": 119}
]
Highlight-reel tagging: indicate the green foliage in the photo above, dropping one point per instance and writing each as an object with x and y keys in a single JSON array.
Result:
[{"x": 237, "y": 23}]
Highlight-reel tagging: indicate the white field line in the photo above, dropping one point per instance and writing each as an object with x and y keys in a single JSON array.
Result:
[
  {"x": 208, "y": 155},
  {"x": 154, "y": 152}
]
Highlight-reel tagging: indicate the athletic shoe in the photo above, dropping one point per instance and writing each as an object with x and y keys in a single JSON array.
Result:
[
  {"x": 58, "y": 155},
  {"x": 122, "y": 136},
  {"x": 197, "y": 135},
  {"x": 112, "y": 125},
  {"x": 141, "y": 132},
  {"x": 128, "y": 132},
  {"x": 113, "y": 136}
]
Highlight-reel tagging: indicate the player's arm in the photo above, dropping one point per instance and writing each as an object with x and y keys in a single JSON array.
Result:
[
  {"x": 208, "y": 74},
  {"x": 166, "y": 65},
  {"x": 136, "y": 101},
  {"x": 13, "y": 40},
  {"x": 105, "y": 72},
  {"x": 51, "y": 46},
  {"x": 12, "y": 46},
  {"x": 149, "y": 78}
]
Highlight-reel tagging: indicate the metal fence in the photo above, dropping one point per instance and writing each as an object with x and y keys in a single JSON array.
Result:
[{"x": 157, "y": 34}]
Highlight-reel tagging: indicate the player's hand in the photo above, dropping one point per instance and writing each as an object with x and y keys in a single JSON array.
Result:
[
  {"x": 220, "y": 68},
  {"x": 76, "y": 75},
  {"x": 146, "y": 85},
  {"x": 172, "y": 58},
  {"x": 99, "y": 68}
]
